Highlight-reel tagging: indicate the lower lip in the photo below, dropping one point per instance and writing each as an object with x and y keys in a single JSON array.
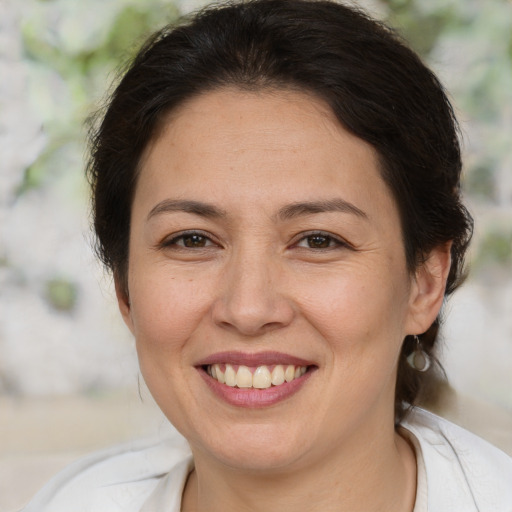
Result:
[{"x": 255, "y": 398}]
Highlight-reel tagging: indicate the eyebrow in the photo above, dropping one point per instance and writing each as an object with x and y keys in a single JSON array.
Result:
[
  {"x": 310, "y": 207},
  {"x": 287, "y": 212},
  {"x": 187, "y": 206}
]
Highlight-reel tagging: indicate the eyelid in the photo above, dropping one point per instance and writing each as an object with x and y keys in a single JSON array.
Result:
[
  {"x": 171, "y": 240},
  {"x": 340, "y": 242}
]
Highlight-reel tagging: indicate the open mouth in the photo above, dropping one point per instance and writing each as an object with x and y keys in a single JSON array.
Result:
[{"x": 255, "y": 377}]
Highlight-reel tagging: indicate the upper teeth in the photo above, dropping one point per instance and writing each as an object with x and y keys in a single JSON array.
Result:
[{"x": 261, "y": 377}]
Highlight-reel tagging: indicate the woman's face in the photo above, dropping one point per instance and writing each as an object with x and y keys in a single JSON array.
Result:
[{"x": 264, "y": 238}]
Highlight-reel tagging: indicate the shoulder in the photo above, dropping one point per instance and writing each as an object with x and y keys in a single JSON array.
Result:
[
  {"x": 463, "y": 471},
  {"x": 114, "y": 480}
]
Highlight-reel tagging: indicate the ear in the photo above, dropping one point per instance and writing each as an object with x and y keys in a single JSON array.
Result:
[
  {"x": 123, "y": 301},
  {"x": 428, "y": 287}
]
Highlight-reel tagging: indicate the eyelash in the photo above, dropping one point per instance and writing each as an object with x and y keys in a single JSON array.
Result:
[
  {"x": 188, "y": 234},
  {"x": 333, "y": 241}
]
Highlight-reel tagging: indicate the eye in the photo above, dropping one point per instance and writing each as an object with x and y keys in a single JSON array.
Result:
[
  {"x": 320, "y": 240},
  {"x": 189, "y": 240}
]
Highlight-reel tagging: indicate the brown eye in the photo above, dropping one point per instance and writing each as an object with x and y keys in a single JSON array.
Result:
[
  {"x": 319, "y": 241},
  {"x": 191, "y": 240},
  {"x": 194, "y": 241}
]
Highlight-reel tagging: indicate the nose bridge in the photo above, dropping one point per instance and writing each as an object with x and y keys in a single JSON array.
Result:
[{"x": 249, "y": 299}]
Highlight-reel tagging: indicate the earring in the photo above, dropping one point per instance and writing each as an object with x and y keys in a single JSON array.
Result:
[{"x": 418, "y": 359}]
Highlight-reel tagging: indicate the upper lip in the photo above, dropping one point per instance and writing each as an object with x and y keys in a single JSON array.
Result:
[{"x": 253, "y": 359}]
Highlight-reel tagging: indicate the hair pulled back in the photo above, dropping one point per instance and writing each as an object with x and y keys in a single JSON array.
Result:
[{"x": 375, "y": 85}]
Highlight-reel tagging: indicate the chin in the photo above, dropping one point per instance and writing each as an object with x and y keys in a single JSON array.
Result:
[{"x": 257, "y": 447}]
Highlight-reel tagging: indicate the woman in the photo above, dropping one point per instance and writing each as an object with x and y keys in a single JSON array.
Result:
[{"x": 276, "y": 191}]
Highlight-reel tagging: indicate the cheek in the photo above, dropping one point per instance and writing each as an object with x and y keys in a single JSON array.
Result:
[
  {"x": 165, "y": 312},
  {"x": 353, "y": 304},
  {"x": 361, "y": 317}
]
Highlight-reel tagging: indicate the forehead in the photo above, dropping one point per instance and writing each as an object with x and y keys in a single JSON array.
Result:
[{"x": 233, "y": 144}]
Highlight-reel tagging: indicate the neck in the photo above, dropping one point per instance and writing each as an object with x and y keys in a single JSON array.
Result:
[{"x": 368, "y": 474}]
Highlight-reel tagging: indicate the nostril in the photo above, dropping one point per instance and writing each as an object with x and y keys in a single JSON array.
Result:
[{"x": 249, "y": 301}]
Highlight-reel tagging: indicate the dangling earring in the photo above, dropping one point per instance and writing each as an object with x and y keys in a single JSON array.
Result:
[{"x": 418, "y": 358}]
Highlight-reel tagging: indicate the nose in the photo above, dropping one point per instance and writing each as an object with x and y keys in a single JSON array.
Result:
[{"x": 252, "y": 298}]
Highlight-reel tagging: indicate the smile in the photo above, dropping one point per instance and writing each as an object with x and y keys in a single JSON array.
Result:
[
  {"x": 255, "y": 380},
  {"x": 261, "y": 377}
]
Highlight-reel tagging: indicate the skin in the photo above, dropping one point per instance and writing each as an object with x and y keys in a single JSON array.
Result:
[{"x": 259, "y": 283}]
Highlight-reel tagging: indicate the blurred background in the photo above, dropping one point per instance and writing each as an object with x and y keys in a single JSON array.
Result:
[{"x": 69, "y": 380}]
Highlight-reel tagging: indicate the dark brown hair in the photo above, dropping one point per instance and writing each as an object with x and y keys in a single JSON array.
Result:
[{"x": 377, "y": 87}]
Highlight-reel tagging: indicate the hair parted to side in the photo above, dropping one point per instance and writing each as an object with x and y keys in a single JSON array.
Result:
[{"x": 376, "y": 86}]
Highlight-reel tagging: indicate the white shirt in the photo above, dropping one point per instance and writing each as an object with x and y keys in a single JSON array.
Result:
[{"x": 457, "y": 472}]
